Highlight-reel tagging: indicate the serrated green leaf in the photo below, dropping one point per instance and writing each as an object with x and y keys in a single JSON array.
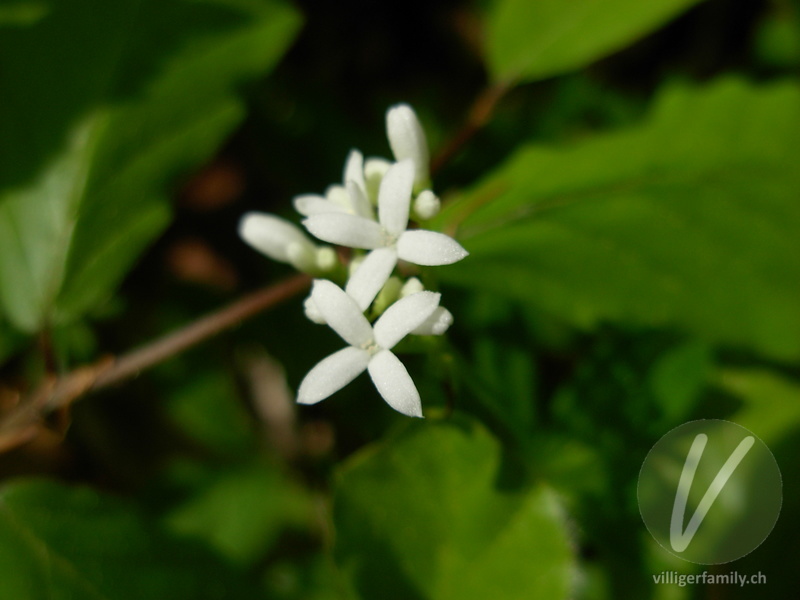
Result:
[
  {"x": 429, "y": 515},
  {"x": 689, "y": 220},
  {"x": 533, "y": 40},
  {"x": 103, "y": 104},
  {"x": 59, "y": 543}
]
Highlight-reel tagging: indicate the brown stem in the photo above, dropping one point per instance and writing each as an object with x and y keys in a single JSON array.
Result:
[
  {"x": 479, "y": 114},
  {"x": 155, "y": 352},
  {"x": 59, "y": 392}
]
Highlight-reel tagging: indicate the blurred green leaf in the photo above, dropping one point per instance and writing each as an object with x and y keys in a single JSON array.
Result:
[
  {"x": 533, "y": 40},
  {"x": 771, "y": 402},
  {"x": 103, "y": 104},
  {"x": 690, "y": 219},
  {"x": 207, "y": 407},
  {"x": 432, "y": 515},
  {"x": 678, "y": 379},
  {"x": 501, "y": 374},
  {"x": 22, "y": 12},
  {"x": 777, "y": 40},
  {"x": 770, "y": 408},
  {"x": 60, "y": 543},
  {"x": 310, "y": 579},
  {"x": 241, "y": 512}
]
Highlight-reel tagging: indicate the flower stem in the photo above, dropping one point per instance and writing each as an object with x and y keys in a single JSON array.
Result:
[
  {"x": 19, "y": 424},
  {"x": 479, "y": 115}
]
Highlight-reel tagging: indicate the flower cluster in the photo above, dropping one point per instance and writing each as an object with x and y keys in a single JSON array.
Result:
[{"x": 370, "y": 213}]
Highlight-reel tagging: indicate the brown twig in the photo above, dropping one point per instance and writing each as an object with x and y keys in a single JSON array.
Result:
[
  {"x": 60, "y": 392},
  {"x": 479, "y": 114}
]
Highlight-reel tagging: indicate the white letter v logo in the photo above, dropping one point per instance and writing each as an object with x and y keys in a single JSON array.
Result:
[{"x": 679, "y": 540}]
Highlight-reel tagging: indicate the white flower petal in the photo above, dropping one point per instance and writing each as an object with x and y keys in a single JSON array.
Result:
[
  {"x": 339, "y": 196},
  {"x": 311, "y": 204},
  {"x": 371, "y": 275},
  {"x": 341, "y": 312},
  {"x": 358, "y": 200},
  {"x": 346, "y": 230},
  {"x": 407, "y": 139},
  {"x": 312, "y": 312},
  {"x": 439, "y": 322},
  {"x": 374, "y": 170},
  {"x": 394, "y": 197},
  {"x": 272, "y": 235},
  {"x": 331, "y": 374},
  {"x": 429, "y": 248},
  {"x": 354, "y": 169},
  {"x": 395, "y": 384},
  {"x": 402, "y": 317}
]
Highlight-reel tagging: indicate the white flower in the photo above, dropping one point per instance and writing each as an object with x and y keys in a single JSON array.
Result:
[
  {"x": 369, "y": 347},
  {"x": 388, "y": 238},
  {"x": 350, "y": 198},
  {"x": 407, "y": 139},
  {"x": 285, "y": 242},
  {"x": 439, "y": 321}
]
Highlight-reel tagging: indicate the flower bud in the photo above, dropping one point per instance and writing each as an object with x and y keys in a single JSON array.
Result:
[
  {"x": 412, "y": 286},
  {"x": 407, "y": 139},
  {"x": 426, "y": 205}
]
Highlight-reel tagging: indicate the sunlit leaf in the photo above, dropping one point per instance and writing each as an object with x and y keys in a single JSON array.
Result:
[
  {"x": 689, "y": 220},
  {"x": 533, "y": 40},
  {"x": 430, "y": 515}
]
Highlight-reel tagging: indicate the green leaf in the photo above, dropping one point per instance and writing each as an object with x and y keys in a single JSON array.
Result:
[
  {"x": 104, "y": 103},
  {"x": 501, "y": 375},
  {"x": 689, "y": 220},
  {"x": 207, "y": 408},
  {"x": 431, "y": 514},
  {"x": 22, "y": 12},
  {"x": 59, "y": 543},
  {"x": 771, "y": 402},
  {"x": 533, "y": 40},
  {"x": 678, "y": 378},
  {"x": 266, "y": 502}
]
